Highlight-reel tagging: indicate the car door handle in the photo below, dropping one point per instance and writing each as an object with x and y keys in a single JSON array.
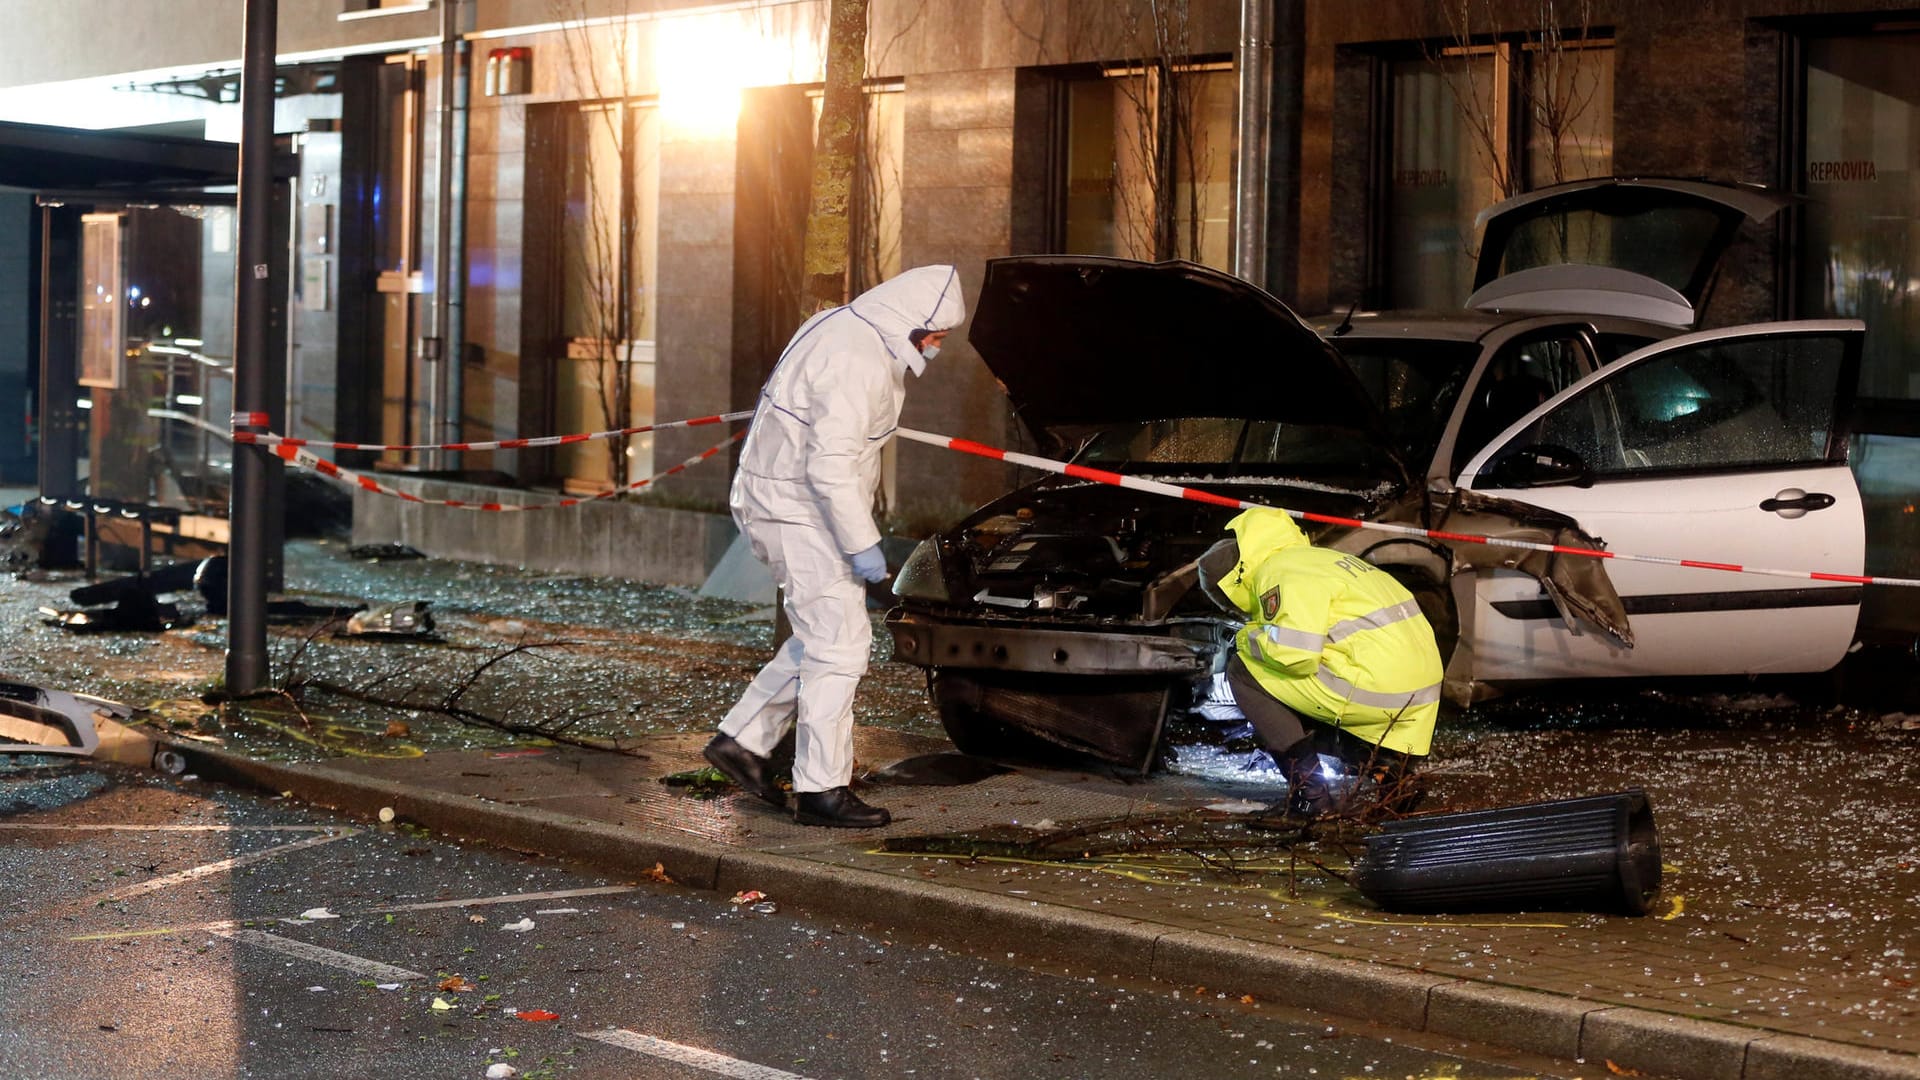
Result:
[{"x": 1793, "y": 502}]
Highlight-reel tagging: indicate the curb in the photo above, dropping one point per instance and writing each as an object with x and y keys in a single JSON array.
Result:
[{"x": 1567, "y": 1028}]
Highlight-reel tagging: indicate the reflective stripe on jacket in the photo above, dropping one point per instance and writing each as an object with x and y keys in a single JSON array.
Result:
[{"x": 1332, "y": 636}]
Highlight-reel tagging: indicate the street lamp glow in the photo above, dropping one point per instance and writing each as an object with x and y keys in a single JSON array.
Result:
[{"x": 702, "y": 64}]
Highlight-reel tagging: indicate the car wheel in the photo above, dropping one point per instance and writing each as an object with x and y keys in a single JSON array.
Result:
[{"x": 1436, "y": 603}]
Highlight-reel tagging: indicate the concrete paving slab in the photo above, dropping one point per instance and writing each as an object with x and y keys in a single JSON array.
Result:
[
  {"x": 1791, "y": 1057},
  {"x": 1658, "y": 1044},
  {"x": 1500, "y": 1015},
  {"x": 1272, "y": 971}
]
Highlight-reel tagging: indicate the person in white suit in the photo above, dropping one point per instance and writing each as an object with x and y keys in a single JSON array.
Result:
[{"x": 803, "y": 497}]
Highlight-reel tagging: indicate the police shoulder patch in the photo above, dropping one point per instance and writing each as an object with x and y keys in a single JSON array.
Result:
[{"x": 1270, "y": 602}]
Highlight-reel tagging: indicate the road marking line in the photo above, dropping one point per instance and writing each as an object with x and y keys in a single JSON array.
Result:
[
  {"x": 302, "y": 950},
  {"x": 167, "y": 828},
  {"x": 219, "y": 867},
  {"x": 689, "y": 1055},
  {"x": 222, "y": 924},
  {"x": 115, "y": 935},
  {"x": 511, "y": 898}
]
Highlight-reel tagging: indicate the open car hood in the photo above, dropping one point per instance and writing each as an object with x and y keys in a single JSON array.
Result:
[
  {"x": 1645, "y": 248},
  {"x": 1082, "y": 340}
]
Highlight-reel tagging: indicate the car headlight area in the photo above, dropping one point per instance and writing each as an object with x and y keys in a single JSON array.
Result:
[{"x": 920, "y": 577}]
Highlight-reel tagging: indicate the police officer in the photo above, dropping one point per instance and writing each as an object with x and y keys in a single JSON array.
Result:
[{"x": 1336, "y": 668}]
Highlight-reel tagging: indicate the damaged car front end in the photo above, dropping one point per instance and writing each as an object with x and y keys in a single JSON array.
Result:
[{"x": 1067, "y": 613}]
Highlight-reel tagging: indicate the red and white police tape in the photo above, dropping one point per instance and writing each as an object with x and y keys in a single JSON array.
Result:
[
  {"x": 300, "y": 456},
  {"x": 1177, "y": 491},
  {"x": 270, "y": 439},
  {"x": 291, "y": 450}
]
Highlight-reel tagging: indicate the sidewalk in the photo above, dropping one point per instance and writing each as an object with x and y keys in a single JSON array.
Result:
[{"x": 1672, "y": 994}]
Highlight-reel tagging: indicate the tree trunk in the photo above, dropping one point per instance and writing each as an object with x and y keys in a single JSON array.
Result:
[{"x": 842, "y": 111}]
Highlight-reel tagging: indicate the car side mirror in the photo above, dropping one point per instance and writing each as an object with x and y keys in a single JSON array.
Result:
[{"x": 1540, "y": 465}]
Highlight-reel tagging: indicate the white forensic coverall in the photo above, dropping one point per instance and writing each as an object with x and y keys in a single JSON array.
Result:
[{"x": 803, "y": 497}]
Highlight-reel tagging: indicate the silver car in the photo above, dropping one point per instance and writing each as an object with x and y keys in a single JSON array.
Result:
[{"x": 1565, "y": 404}]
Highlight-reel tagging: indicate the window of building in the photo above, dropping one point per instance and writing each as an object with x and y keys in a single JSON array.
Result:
[
  {"x": 1147, "y": 163},
  {"x": 1859, "y": 257},
  {"x": 1861, "y": 226},
  {"x": 609, "y": 247},
  {"x": 1470, "y": 126}
]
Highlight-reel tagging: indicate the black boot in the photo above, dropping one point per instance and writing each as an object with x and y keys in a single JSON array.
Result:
[
  {"x": 745, "y": 768},
  {"x": 838, "y": 808}
]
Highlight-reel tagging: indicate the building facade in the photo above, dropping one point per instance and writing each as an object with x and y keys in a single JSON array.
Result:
[{"x": 627, "y": 184}]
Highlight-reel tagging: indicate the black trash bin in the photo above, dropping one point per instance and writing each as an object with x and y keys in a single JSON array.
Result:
[{"x": 1597, "y": 853}]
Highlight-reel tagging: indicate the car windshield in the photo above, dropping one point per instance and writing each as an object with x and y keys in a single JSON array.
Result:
[
  {"x": 1413, "y": 383},
  {"x": 1262, "y": 448}
]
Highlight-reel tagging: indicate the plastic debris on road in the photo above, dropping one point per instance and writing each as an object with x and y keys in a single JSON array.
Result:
[
  {"x": 1219, "y": 704},
  {"x": 318, "y": 913},
  {"x": 747, "y": 896},
  {"x": 520, "y": 927},
  {"x": 938, "y": 770},
  {"x": 501, "y": 1071},
  {"x": 441, "y": 1005},
  {"x": 537, "y": 1016},
  {"x": 706, "y": 782},
  {"x": 1239, "y": 806}
]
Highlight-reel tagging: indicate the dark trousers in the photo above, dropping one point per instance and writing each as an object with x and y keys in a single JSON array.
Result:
[{"x": 1296, "y": 742}]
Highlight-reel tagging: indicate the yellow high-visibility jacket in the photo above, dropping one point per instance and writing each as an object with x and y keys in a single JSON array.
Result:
[{"x": 1332, "y": 636}]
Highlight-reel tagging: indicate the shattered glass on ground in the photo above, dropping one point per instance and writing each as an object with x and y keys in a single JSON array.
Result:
[{"x": 602, "y": 660}]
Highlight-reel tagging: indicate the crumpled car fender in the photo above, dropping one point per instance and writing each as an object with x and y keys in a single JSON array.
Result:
[{"x": 1578, "y": 586}]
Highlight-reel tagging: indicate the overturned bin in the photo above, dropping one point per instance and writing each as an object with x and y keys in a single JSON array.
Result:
[{"x": 1597, "y": 853}]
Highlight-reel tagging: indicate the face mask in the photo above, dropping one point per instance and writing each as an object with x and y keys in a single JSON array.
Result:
[{"x": 930, "y": 351}]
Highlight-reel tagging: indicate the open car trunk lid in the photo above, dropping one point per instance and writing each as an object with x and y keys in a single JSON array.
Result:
[
  {"x": 1645, "y": 248},
  {"x": 1079, "y": 341}
]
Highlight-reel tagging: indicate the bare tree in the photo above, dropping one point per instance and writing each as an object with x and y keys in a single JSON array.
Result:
[
  {"x": 1165, "y": 146},
  {"x": 842, "y": 116},
  {"x": 601, "y": 266},
  {"x": 1567, "y": 83},
  {"x": 1162, "y": 165},
  {"x": 1553, "y": 98},
  {"x": 878, "y": 180}
]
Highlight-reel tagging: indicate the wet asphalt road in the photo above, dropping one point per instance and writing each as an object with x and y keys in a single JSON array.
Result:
[{"x": 155, "y": 928}]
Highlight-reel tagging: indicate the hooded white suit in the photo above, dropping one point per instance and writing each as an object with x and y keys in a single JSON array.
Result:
[{"x": 803, "y": 497}]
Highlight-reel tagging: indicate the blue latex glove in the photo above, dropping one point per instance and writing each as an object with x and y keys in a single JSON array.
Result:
[{"x": 870, "y": 564}]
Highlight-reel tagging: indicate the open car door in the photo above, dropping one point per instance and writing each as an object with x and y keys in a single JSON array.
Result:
[{"x": 1726, "y": 446}]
